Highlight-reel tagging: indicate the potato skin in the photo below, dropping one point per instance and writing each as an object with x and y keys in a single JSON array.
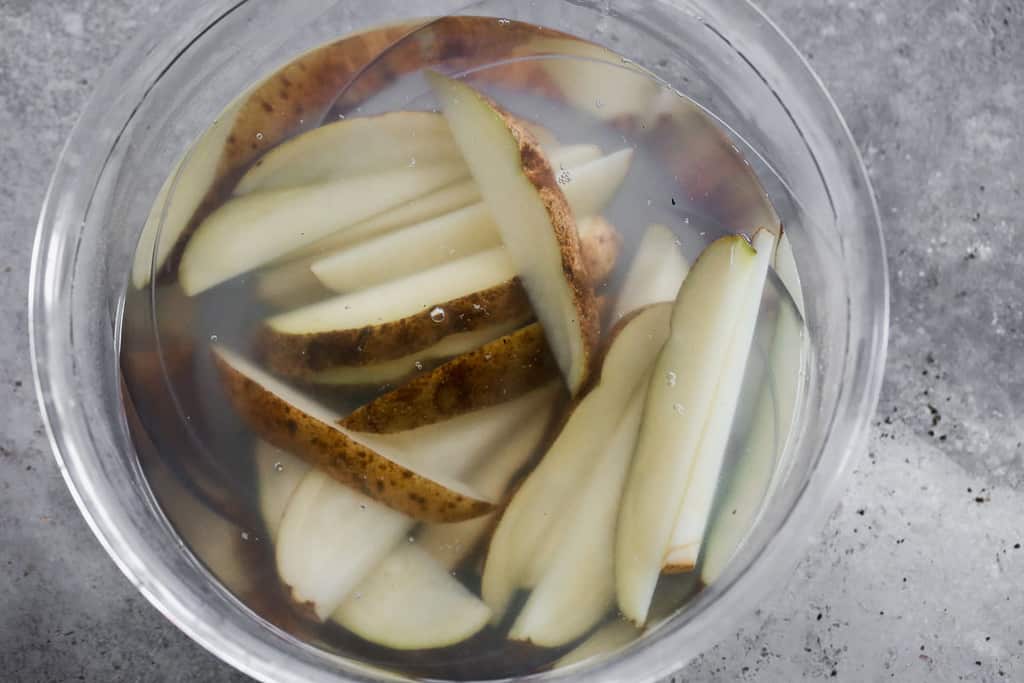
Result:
[
  {"x": 343, "y": 458},
  {"x": 600, "y": 246},
  {"x": 301, "y": 356},
  {"x": 496, "y": 372}
]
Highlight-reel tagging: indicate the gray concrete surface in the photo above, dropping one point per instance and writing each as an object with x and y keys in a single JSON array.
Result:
[{"x": 918, "y": 576}]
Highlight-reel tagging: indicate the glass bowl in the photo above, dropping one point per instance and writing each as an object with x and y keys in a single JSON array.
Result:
[{"x": 189, "y": 65}]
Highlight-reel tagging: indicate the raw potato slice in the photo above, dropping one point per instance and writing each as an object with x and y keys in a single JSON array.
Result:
[
  {"x": 352, "y": 147},
  {"x": 534, "y": 219},
  {"x": 590, "y": 187},
  {"x": 699, "y": 494},
  {"x": 610, "y": 638},
  {"x": 570, "y": 156},
  {"x": 415, "y": 363},
  {"x": 540, "y": 500},
  {"x": 446, "y": 238},
  {"x": 410, "y": 602},
  {"x": 494, "y": 373},
  {"x": 287, "y": 419},
  {"x": 397, "y": 318},
  {"x": 449, "y": 544},
  {"x": 752, "y": 479},
  {"x": 250, "y": 231},
  {"x": 278, "y": 474},
  {"x": 679, "y": 403},
  {"x": 330, "y": 538},
  {"x": 657, "y": 272},
  {"x": 578, "y": 588}
]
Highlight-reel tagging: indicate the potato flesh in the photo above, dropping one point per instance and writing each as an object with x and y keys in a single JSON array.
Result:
[
  {"x": 577, "y": 588},
  {"x": 695, "y": 507},
  {"x": 680, "y": 398},
  {"x": 247, "y": 232},
  {"x": 410, "y": 602},
  {"x": 278, "y": 474},
  {"x": 591, "y": 186},
  {"x": 400, "y": 298},
  {"x": 353, "y": 147},
  {"x": 528, "y": 518},
  {"x": 656, "y": 273}
]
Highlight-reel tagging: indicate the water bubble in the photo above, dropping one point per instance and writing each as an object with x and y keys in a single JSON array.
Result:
[
  {"x": 412, "y": 162},
  {"x": 670, "y": 378},
  {"x": 437, "y": 314},
  {"x": 411, "y": 539},
  {"x": 564, "y": 177},
  {"x": 245, "y": 535},
  {"x": 487, "y": 356},
  {"x": 504, "y": 22},
  {"x": 259, "y": 136},
  {"x": 678, "y": 242},
  {"x": 678, "y": 407},
  {"x": 213, "y": 337},
  {"x": 686, "y": 220},
  {"x": 362, "y": 506},
  {"x": 278, "y": 467},
  {"x": 357, "y": 595},
  {"x": 418, "y": 364},
  {"x": 599, "y": 103}
]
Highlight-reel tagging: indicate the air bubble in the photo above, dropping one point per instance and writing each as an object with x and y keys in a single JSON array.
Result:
[
  {"x": 411, "y": 539},
  {"x": 213, "y": 337},
  {"x": 245, "y": 535},
  {"x": 678, "y": 407},
  {"x": 678, "y": 242},
  {"x": 599, "y": 103},
  {"x": 278, "y": 467},
  {"x": 412, "y": 161},
  {"x": 670, "y": 379},
  {"x": 418, "y": 364},
  {"x": 259, "y": 136},
  {"x": 362, "y": 506},
  {"x": 437, "y": 314},
  {"x": 504, "y": 22},
  {"x": 564, "y": 177},
  {"x": 487, "y": 356}
]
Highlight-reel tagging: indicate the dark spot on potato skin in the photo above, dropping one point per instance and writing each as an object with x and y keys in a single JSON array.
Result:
[{"x": 267, "y": 106}]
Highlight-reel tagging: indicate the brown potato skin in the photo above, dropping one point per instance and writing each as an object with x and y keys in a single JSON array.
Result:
[
  {"x": 538, "y": 171},
  {"x": 345, "y": 460},
  {"x": 600, "y": 246},
  {"x": 496, "y": 372},
  {"x": 301, "y": 356}
]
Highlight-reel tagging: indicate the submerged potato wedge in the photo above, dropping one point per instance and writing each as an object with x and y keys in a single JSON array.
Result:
[
  {"x": 287, "y": 419},
  {"x": 657, "y": 272},
  {"x": 534, "y": 219},
  {"x": 396, "y": 319},
  {"x": 415, "y": 364},
  {"x": 278, "y": 474},
  {"x": 411, "y": 602},
  {"x": 517, "y": 549},
  {"x": 496, "y": 372},
  {"x": 679, "y": 402},
  {"x": 351, "y": 147}
]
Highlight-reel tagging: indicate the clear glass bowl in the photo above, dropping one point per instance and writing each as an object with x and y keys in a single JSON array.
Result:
[{"x": 187, "y": 66}]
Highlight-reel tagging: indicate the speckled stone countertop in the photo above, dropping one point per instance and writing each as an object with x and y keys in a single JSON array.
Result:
[{"x": 919, "y": 574}]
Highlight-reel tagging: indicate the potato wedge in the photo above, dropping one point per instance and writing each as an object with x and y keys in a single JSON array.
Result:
[
  {"x": 600, "y": 246},
  {"x": 278, "y": 474},
  {"x": 396, "y": 319},
  {"x": 695, "y": 507},
  {"x": 592, "y": 186},
  {"x": 657, "y": 272},
  {"x": 534, "y": 219},
  {"x": 287, "y": 419},
  {"x": 496, "y": 372},
  {"x": 352, "y": 147},
  {"x": 679, "y": 403},
  {"x": 517, "y": 544},
  {"x": 411, "y": 602},
  {"x": 606, "y": 640}
]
